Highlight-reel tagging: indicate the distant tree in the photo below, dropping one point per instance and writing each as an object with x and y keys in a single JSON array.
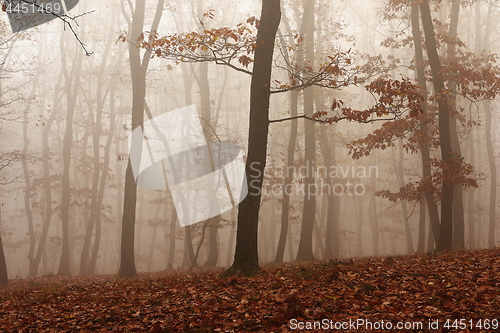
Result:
[
  {"x": 100, "y": 166},
  {"x": 4, "y": 278},
  {"x": 72, "y": 85},
  {"x": 484, "y": 27},
  {"x": 6, "y": 161},
  {"x": 10, "y": 95},
  {"x": 305, "y": 251},
  {"x": 138, "y": 68},
  {"x": 424, "y": 129}
]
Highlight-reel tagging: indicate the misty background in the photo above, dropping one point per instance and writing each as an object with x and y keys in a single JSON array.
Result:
[{"x": 48, "y": 84}]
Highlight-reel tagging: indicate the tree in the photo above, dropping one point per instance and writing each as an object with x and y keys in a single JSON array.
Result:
[
  {"x": 72, "y": 83},
  {"x": 138, "y": 69},
  {"x": 4, "y": 278},
  {"x": 46, "y": 184},
  {"x": 100, "y": 168},
  {"x": 285, "y": 207},
  {"x": 458, "y": 241},
  {"x": 246, "y": 259},
  {"x": 6, "y": 159},
  {"x": 185, "y": 48},
  {"x": 480, "y": 45},
  {"x": 27, "y": 180},
  {"x": 305, "y": 251},
  {"x": 225, "y": 46},
  {"x": 424, "y": 129}
]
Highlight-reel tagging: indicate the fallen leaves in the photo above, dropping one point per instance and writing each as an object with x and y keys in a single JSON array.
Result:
[{"x": 418, "y": 288}]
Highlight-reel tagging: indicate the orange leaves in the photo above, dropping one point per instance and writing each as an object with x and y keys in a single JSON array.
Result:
[
  {"x": 335, "y": 70},
  {"x": 245, "y": 61},
  {"x": 253, "y": 21},
  {"x": 336, "y": 104},
  {"x": 209, "y": 14},
  {"x": 220, "y": 45},
  {"x": 121, "y": 38},
  {"x": 416, "y": 288},
  {"x": 395, "y": 98},
  {"x": 476, "y": 76},
  {"x": 383, "y": 137}
]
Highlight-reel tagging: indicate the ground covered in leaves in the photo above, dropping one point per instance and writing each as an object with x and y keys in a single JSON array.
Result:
[{"x": 455, "y": 291}]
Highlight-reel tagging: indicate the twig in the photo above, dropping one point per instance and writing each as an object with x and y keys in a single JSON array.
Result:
[{"x": 65, "y": 18}]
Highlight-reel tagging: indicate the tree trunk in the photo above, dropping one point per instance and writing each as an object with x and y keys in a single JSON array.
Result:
[
  {"x": 188, "y": 260},
  {"x": 27, "y": 182},
  {"x": 138, "y": 70},
  {"x": 246, "y": 260},
  {"x": 72, "y": 83},
  {"x": 489, "y": 141},
  {"x": 272, "y": 229},
  {"x": 333, "y": 201},
  {"x": 493, "y": 177},
  {"x": 359, "y": 224},
  {"x": 304, "y": 251},
  {"x": 372, "y": 213},
  {"x": 285, "y": 205},
  {"x": 171, "y": 242},
  {"x": 152, "y": 244},
  {"x": 458, "y": 205},
  {"x": 409, "y": 240},
  {"x": 104, "y": 173},
  {"x": 214, "y": 222},
  {"x": 424, "y": 128},
  {"x": 95, "y": 203},
  {"x": 46, "y": 178},
  {"x": 470, "y": 197},
  {"x": 4, "y": 277},
  {"x": 232, "y": 233},
  {"x": 446, "y": 230},
  {"x": 421, "y": 227}
]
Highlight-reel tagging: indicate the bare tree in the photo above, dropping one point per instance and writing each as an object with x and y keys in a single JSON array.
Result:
[
  {"x": 4, "y": 278},
  {"x": 138, "y": 68}
]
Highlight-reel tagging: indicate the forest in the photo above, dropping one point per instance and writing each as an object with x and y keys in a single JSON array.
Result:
[{"x": 274, "y": 149}]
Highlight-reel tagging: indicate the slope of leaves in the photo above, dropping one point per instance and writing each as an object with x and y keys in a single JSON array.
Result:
[{"x": 417, "y": 288}]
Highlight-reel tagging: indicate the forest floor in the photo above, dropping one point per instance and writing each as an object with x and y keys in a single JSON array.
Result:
[{"x": 457, "y": 291}]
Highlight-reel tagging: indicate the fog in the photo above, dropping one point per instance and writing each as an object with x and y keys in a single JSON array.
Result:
[{"x": 331, "y": 186}]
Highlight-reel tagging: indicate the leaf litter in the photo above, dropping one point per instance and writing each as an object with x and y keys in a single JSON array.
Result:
[{"x": 415, "y": 288}]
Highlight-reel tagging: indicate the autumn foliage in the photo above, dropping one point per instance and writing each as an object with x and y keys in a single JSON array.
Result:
[{"x": 416, "y": 288}]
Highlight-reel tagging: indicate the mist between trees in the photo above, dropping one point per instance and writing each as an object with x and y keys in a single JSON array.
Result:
[
  {"x": 347, "y": 180},
  {"x": 368, "y": 128}
]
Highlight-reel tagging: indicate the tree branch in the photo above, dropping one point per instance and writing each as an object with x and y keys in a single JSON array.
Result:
[{"x": 66, "y": 19}]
